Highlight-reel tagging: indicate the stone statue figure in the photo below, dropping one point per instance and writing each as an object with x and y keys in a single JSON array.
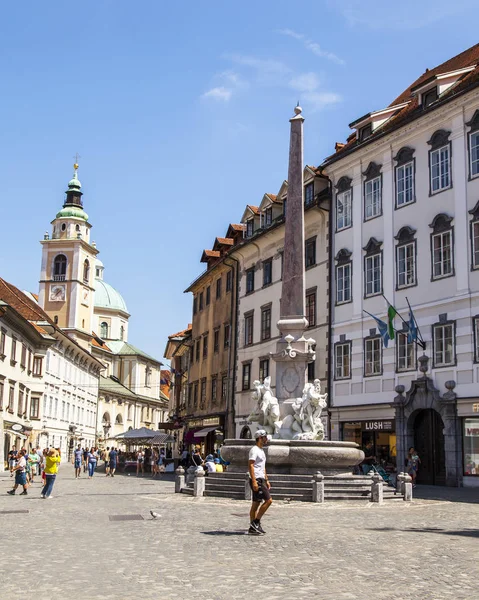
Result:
[
  {"x": 304, "y": 423},
  {"x": 266, "y": 411}
]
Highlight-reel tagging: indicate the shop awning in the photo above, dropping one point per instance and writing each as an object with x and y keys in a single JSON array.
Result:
[
  {"x": 22, "y": 436},
  {"x": 160, "y": 439},
  {"x": 204, "y": 432}
]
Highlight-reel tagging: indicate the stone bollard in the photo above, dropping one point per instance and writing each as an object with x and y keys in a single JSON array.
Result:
[
  {"x": 400, "y": 483},
  {"x": 190, "y": 474},
  {"x": 200, "y": 482},
  {"x": 318, "y": 487},
  {"x": 248, "y": 493},
  {"x": 179, "y": 479},
  {"x": 407, "y": 487},
  {"x": 377, "y": 487}
]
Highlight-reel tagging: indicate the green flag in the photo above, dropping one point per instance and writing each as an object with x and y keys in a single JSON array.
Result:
[{"x": 392, "y": 312}]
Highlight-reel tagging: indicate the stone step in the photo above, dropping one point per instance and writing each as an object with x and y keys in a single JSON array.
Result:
[
  {"x": 223, "y": 494},
  {"x": 187, "y": 490},
  {"x": 292, "y": 496},
  {"x": 227, "y": 475},
  {"x": 332, "y": 497},
  {"x": 234, "y": 489}
]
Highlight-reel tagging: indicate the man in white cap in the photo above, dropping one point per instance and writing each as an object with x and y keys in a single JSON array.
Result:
[{"x": 258, "y": 480}]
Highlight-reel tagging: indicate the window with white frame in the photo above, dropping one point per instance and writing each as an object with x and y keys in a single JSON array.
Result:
[
  {"x": 444, "y": 345},
  {"x": 404, "y": 173},
  {"x": 473, "y": 124},
  {"x": 344, "y": 203},
  {"x": 343, "y": 283},
  {"x": 405, "y": 353},
  {"x": 263, "y": 369},
  {"x": 440, "y": 161},
  {"x": 308, "y": 194},
  {"x": 442, "y": 247},
  {"x": 475, "y": 323},
  {"x": 405, "y": 257},
  {"x": 372, "y": 356},
  {"x": 372, "y": 198},
  {"x": 372, "y": 191},
  {"x": 373, "y": 268},
  {"x": 248, "y": 329},
  {"x": 343, "y": 210},
  {"x": 342, "y": 362},
  {"x": 474, "y": 153},
  {"x": 475, "y": 244}
]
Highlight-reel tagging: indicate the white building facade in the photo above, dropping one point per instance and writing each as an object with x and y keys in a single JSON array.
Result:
[
  {"x": 259, "y": 293},
  {"x": 405, "y": 226}
]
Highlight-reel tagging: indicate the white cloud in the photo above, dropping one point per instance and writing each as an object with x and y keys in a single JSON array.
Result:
[
  {"x": 221, "y": 94},
  {"x": 318, "y": 100},
  {"x": 267, "y": 71},
  {"x": 313, "y": 47},
  {"x": 413, "y": 14},
  {"x": 306, "y": 82}
]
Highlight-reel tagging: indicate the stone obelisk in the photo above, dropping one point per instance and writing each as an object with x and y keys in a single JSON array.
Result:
[{"x": 293, "y": 350}]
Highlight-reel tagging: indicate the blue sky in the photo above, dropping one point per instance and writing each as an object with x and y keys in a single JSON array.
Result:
[{"x": 179, "y": 112}]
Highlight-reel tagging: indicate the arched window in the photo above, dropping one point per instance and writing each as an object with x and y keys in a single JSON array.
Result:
[
  {"x": 122, "y": 332},
  {"x": 106, "y": 418},
  {"x": 59, "y": 267},
  {"x": 245, "y": 433},
  {"x": 104, "y": 330},
  {"x": 119, "y": 420},
  {"x": 86, "y": 271},
  {"x": 77, "y": 228}
]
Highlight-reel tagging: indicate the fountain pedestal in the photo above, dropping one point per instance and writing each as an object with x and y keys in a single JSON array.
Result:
[{"x": 296, "y": 457}]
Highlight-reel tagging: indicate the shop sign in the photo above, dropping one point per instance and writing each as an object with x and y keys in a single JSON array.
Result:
[
  {"x": 475, "y": 408},
  {"x": 207, "y": 422},
  {"x": 472, "y": 431},
  {"x": 378, "y": 425}
]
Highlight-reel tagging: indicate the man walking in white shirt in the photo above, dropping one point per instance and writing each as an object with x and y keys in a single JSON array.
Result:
[{"x": 259, "y": 483}]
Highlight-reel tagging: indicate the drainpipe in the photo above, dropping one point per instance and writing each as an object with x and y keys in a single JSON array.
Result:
[{"x": 230, "y": 399}]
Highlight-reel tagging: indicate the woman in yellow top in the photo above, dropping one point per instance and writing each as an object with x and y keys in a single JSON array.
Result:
[{"x": 52, "y": 461}]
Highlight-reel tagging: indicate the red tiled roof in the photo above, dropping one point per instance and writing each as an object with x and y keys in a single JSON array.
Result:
[
  {"x": 35, "y": 296},
  {"x": 468, "y": 58},
  {"x": 98, "y": 342},
  {"x": 181, "y": 333},
  {"x": 24, "y": 305},
  {"x": 237, "y": 226},
  {"x": 38, "y": 328},
  {"x": 225, "y": 241},
  {"x": 207, "y": 254},
  {"x": 254, "y": 209}
]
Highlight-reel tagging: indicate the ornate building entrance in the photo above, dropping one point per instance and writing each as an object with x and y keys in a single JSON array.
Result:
[
  {"x": 429, "y": 444},
  {"x": 429, "y": 422}
]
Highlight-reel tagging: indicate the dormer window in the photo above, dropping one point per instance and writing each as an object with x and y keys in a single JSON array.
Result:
[
  {"x": 249, "y": 228},
  {"x": 309, "y": 194},
  {"x": 365, "y": 132},
  {"x": 429, "y": 97},
  {"x": 268, "y": 216}
]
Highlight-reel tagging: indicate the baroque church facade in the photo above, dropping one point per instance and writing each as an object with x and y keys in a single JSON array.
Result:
[{"x": 68, "y": 373}]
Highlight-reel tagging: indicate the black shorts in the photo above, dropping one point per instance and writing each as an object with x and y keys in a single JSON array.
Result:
[{"x": 263, "y": 492}]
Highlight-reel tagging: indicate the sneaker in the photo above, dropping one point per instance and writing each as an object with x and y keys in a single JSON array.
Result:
[
  {"x": 253, "y": 531},
  {"x": 257, "y": 524},
  {"x": 24, "y": 493},
  {"x": 43, "y": 496},
  {"x": 48, "y": 497},
  {"x": 11, "y": 492}
]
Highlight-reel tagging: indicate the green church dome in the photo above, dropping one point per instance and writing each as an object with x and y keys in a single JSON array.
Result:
[
  {"x": 107, "y": 297},
  {"x": 72, "y": 211}
]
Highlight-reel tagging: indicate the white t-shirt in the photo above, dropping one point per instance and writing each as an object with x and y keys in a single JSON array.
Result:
[
  {"x": 210, "y": 466},
  {"x": 257, "y": 454},
  {"x": 22, "y": 463}
]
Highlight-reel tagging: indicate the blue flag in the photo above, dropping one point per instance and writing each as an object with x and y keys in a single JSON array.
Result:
[
  {"x": 412, "y": 333},
  {"x": 383, "y": 329}
]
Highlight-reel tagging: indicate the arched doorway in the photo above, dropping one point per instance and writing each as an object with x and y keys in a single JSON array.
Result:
[
  {"x": 429, "y": 444},
  {"x": 245, "y": 433}
]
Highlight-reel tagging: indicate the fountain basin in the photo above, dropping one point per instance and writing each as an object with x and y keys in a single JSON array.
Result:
[{"x": 296, "y": 457}]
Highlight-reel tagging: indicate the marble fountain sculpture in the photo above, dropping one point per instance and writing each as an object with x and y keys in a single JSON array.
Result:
[{"x": 293, "y": 416}]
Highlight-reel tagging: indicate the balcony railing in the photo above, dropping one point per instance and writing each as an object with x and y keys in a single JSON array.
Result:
[{"x": 59, "y": 277}]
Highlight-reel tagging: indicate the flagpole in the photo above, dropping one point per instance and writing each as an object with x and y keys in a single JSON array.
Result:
[
  {"x": 389, "y": 304},
  {"x": 423, "y": 343}
]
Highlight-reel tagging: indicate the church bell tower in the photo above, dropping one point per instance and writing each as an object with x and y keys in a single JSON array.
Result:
[{"x": 68, "y": 267}]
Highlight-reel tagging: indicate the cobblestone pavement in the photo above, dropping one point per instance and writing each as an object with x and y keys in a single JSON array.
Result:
[{"x": 67, "y": 548}]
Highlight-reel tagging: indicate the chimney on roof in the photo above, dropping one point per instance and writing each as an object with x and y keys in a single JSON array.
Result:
[{"x": 338, "y": 146}]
